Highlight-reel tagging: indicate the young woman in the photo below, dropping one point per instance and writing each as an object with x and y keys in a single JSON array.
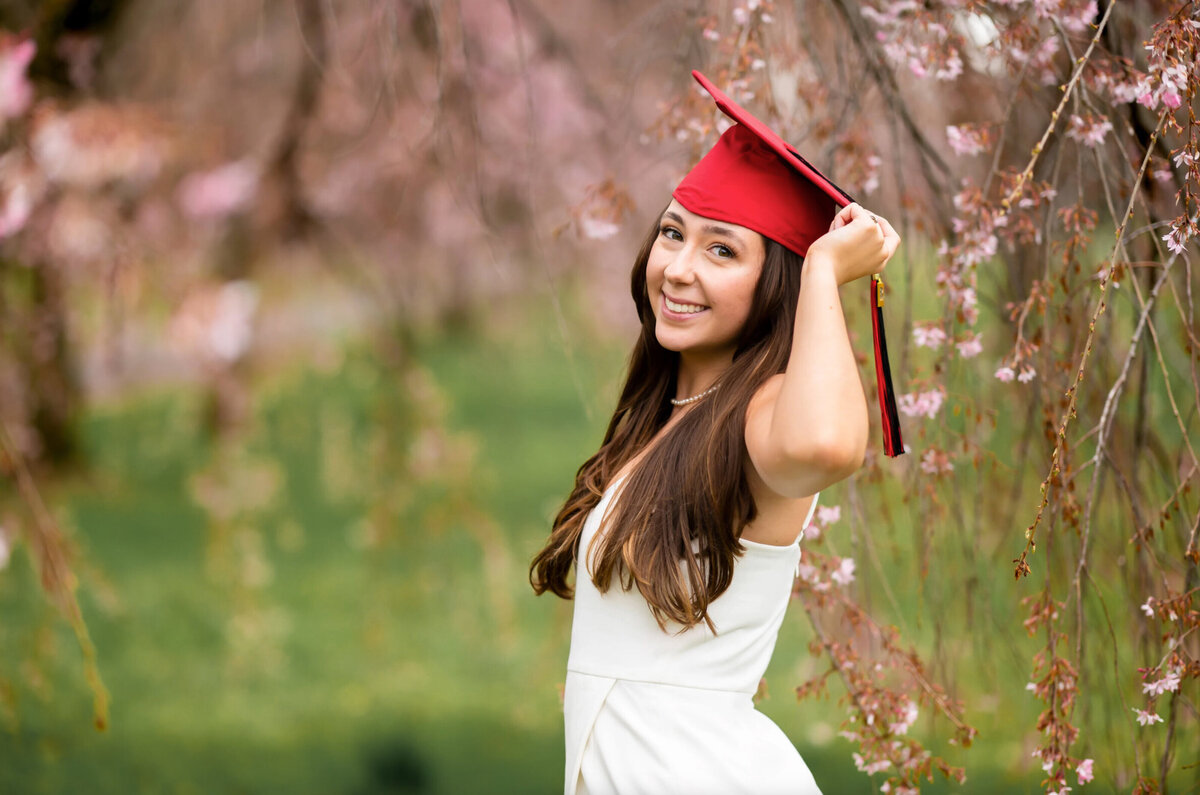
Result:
[{"x": 742, "y": 402}]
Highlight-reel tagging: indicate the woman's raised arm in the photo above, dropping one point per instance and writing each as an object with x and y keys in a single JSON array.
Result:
[{"x": 807, "y": 428}]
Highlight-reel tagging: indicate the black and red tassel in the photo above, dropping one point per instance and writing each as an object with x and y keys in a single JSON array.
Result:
[{"x": 892, "y": 444}]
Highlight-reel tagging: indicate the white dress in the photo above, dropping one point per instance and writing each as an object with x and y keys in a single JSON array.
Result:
[{"x": 649, "y": 712}]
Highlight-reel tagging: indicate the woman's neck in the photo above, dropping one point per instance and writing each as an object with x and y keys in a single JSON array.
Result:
[{"x": 696, "y": 374}]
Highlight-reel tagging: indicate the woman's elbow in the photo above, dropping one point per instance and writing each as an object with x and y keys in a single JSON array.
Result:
[
  {"x": 840, "y": 455},
  {"x": 820, "y": 462},
  {"x": 841, "y": 458}
]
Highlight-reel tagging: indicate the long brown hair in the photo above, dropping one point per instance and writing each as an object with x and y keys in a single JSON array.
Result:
[{"x": 691, "y": 486}]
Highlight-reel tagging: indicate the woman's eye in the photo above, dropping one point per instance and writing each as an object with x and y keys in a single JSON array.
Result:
[
  {"x": 724, "y": 252},
  {"x": 670, "y": 233}
]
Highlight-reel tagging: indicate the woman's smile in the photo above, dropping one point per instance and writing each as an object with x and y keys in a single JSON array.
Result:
[{"x": 678, "y": 310}]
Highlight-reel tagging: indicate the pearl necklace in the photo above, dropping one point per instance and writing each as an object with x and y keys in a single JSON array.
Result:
[{"x": 694, "y": 398}]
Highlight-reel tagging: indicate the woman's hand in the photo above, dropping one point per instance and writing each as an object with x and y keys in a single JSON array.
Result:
[{"x": 856, "y": 244}]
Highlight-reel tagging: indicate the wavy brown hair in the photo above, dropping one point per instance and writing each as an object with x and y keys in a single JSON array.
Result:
[{"x": 688, "y": 500}]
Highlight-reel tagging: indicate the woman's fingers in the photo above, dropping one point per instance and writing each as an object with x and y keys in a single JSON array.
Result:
[
  {"x": 890, "y": 238},
  {"x": 843, "y": 217},
  {"x": 876, "y": 238}
]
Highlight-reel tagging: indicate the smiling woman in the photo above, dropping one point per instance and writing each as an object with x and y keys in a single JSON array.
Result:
[{"x": 742, "y": 402}]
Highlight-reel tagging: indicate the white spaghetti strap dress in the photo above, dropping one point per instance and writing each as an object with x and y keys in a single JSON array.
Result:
[{"x": 649, "y": 712}]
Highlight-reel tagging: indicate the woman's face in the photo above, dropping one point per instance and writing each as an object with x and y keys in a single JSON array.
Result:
[{"x": 700, "y": 278}]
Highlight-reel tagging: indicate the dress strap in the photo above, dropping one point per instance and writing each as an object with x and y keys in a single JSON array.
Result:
[{"x": 812, "y": 509}]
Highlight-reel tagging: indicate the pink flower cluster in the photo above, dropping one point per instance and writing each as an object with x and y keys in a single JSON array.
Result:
[
  {"x": 21, "y": 187},
  {"x": 967, "y": 139},
  {"x": 825, "y": 516},
  {"x": 1088, "y": 129},
  {"x": 1168, "y": 684},
  {"x": 1147, "y": 718},
  {"x": 972, "y": 345},
  {"x": 220, "y": 192},
  {"x": 1074, "y": 16},
  {"x": 928, "y": 335},
  {"x": 936, "y": 462},
  {"x": 843, "y": 575},
  {"x": 810, "y": 573},
  {"x": 1006, "y": 373},
  {"x": 915, "y": 39},
  {"x": 915, "y": 404},
  {"x": 16, "y": 92},
  {"x": 1038, "y": 59},
  {"x": 1182, "y": 230},
  {"x": 95, "y": 145}
]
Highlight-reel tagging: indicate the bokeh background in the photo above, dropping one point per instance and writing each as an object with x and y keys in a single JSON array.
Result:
[{"x": 310, "y": 309}]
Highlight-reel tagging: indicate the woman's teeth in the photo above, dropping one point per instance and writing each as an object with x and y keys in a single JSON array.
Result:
[{"x": 682, "y": 308}]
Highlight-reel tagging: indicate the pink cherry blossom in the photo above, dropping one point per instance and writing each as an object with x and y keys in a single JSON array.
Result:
[
  {"x": 1085, "y": 771},
  {"x": 1168, "y": 684},
  {"x": 952, "y": 68},
  {"x": 15, "y": 208},
  {"x": 221, "y": 192},
  {"x": 908, "y": 719},
  {"x": 1027, "y": 374},
  {"x": 827, "y": 515},
  {"x": 1088, "y": 130},
  {"x": 1146, "y": 607},
  {"x": 1177, "y": 238},
  {"x": 1145, "y": 718},
  {"x": 871, "y": 183},
  {"x": 844, "y": 574},
  {"x": 928, "y": 336},
  {"x": 97, "y": 143},
  {"x": 970, "y": 347},
  {"x": 16, "y": 92},
  {"x": 1005, "y": 374},
  {"x": 1078, "y": 19},
  {"x": 964, "y": 139},
  {"x": 936, "y": 462},
  {"x": 807, "y": 573},
  {"x": 915, "y": 404},
  {"x": 870, "y": 768}
]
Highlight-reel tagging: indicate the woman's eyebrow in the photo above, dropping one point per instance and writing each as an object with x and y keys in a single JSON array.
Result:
[{"x": 710, "y": 229}]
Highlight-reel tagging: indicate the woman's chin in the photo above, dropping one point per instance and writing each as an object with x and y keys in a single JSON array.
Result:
[{"x": 672, "y": 340}]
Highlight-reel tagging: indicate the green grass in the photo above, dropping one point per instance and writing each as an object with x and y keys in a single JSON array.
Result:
[{"x": 276, "y": 650}]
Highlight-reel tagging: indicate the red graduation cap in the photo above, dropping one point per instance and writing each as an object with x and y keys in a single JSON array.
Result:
[{"x": 753, "y": 178}]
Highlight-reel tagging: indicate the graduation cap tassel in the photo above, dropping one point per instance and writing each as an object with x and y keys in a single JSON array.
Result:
[{"x": 892, "y": 444}]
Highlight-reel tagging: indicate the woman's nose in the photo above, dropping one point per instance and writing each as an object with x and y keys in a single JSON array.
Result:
[{"x": 681, "y": 267}]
